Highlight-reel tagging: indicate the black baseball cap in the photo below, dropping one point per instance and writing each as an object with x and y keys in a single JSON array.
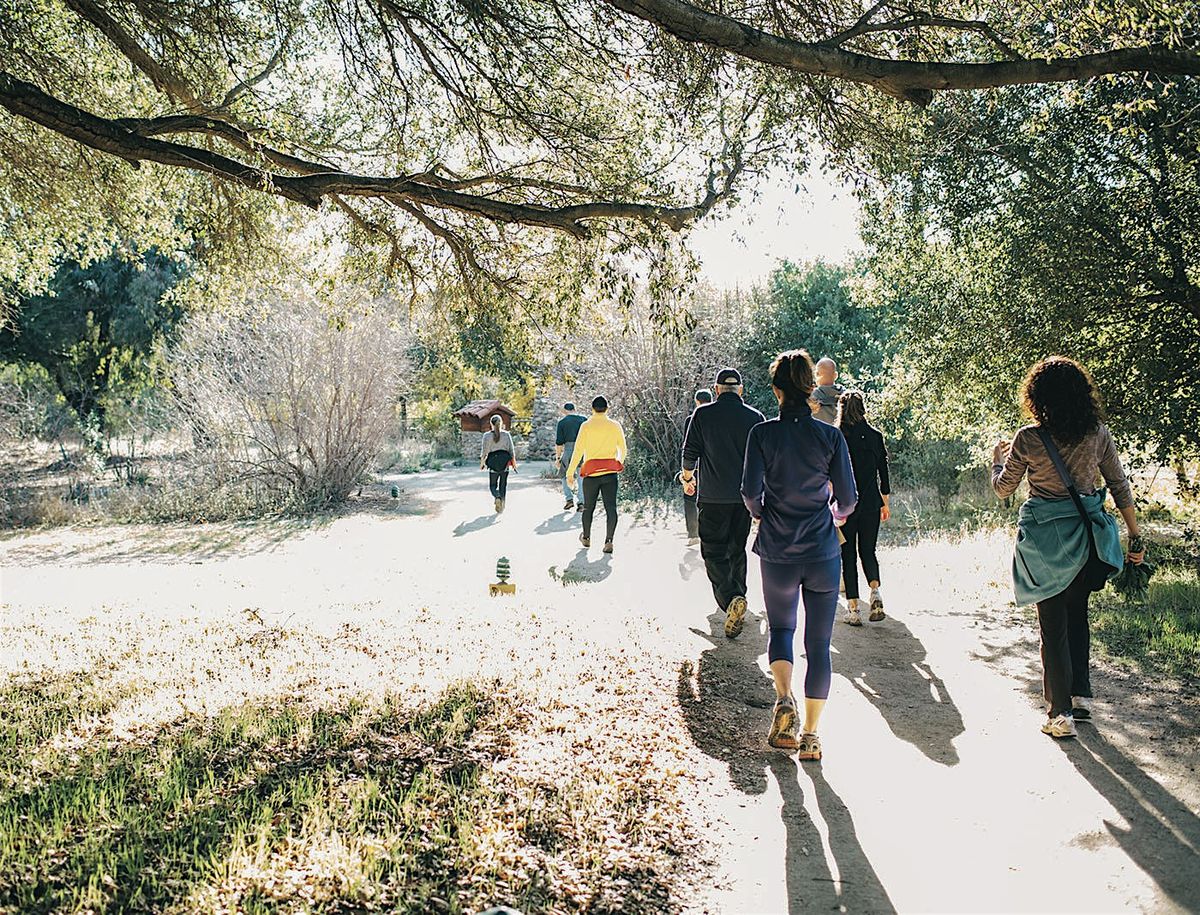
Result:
[{"x": 729, "y": 377}]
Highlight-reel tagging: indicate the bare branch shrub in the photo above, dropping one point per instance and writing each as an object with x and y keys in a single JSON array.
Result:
[
  {"x": 650, "y": 376},
  {"x": 293, "y": 395}
]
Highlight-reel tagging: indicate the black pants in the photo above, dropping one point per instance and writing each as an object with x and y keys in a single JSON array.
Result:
[
  {"x": 723, "y": 532},
  {"x": 593, "y": 489},
  {"x": 691, "y": 516},
  {"x": 498, "y": 481},
  {"x": 1066, "y": 644},
  {"x": 861, "y": 531}
]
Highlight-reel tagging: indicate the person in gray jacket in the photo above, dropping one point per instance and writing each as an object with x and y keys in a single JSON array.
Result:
[{"x": 498, "y": 456}]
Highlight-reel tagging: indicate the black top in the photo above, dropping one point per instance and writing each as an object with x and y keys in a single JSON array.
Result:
[
  {"x": 870, "y": 459},
  {"x": 568, "y": 429},
  {"x": 716, "y": 440}
]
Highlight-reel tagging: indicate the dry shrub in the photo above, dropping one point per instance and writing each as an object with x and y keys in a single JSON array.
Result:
[
  {"x": 650, "y": 375},
  {"x": 292, "y": 394}
]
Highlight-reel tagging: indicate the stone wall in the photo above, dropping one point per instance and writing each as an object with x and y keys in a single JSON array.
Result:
[
  {"x": 544, "y": 420},
  {"x": 472, "y": 444}
]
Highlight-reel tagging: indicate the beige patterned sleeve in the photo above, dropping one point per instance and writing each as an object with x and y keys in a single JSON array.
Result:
[
  {"x": 1007, "y": 477},
  {"x": 1112, "y": 470}
]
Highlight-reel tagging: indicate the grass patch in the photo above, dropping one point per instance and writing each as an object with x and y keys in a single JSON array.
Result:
[
  {"x": 1162, "y": 633},
  {"x": 287, "y": 805}
]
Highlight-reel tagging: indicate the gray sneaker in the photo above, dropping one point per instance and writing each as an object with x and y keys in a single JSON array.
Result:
[{"x": 735, "y": 616}]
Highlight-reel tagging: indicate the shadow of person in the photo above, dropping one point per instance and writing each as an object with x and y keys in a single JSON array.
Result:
[
  {"x": 557, "y": 524},
  {"x": 886, "y": 663},
  {"x": 726, "y": 703},
  {"x": 845, "y": 881},
  {"x": 470, "y": 527},
  {"x": 691, "y": 563},
  {"x": 580, "y": 570},
  {"x": 1163, "y": 834}
]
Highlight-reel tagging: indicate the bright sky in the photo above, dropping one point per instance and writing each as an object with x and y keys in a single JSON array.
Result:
[{"x": 819, "y": 222}]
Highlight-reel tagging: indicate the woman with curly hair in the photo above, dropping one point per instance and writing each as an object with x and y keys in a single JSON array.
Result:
[
  {"x": 1058, "y": 560},
  {"x": 792, "y": 463}
]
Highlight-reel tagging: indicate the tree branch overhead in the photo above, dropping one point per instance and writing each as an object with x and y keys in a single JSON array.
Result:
[{"x": 911, "y": 80}]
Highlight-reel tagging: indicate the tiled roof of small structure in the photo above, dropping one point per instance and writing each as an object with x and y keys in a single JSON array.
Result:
[{"x": 482, "y": 409}]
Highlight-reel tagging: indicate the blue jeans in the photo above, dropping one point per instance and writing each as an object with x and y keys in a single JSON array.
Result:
[{"x": 577, "y": 496}]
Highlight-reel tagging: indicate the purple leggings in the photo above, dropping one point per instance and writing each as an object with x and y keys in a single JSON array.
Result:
[{"x": 783, "y": 585}]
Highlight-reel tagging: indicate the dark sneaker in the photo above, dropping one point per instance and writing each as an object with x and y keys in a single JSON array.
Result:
[
  {"x": 608, "y": 547},
  {"x": 735, "y": 615},
  {"x": 585, "y": 539},
  {"x": 570, "y": 505},
  {"x": 783, "y": 725},
  {"x": 578, "y": 506}
]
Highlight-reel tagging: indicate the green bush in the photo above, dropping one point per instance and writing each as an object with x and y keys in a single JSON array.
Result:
[{"x": 935, "y": 464}]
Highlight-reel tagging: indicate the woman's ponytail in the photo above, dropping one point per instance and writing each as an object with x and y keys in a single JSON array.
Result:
[{"x": 792, "y": 373}]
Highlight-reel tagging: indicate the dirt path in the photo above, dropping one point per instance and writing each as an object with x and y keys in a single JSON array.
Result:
[{"x": 937, "y": 792}]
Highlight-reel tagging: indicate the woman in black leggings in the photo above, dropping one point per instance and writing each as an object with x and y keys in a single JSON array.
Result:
[{"x": 861, "y": 530}]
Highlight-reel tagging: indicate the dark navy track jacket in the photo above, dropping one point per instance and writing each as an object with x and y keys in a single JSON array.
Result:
[{"x": 790, "y": 463}]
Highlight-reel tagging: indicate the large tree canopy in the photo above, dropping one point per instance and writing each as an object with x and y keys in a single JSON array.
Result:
[
  {"x": 1051, "y": 220},
  {"x": 475, "y": 123}
]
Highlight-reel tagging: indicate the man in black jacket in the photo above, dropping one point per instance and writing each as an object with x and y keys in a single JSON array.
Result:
[{"x": 715, "y": 444}]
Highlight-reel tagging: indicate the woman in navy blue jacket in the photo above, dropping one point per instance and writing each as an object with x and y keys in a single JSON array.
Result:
[{"x": 792, "y": 463}]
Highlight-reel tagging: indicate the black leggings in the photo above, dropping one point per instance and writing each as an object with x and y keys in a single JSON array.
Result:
[
  {"x": 1066, "y": 643},
  {"x": 497, "y": 465},
  {"x": 593, "y": 489},
  {"x": 498, "y": 481},
  {"x": 861, "y": 531}
]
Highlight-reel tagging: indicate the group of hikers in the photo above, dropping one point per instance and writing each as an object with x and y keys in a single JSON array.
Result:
[{"x": 814, "y": 480}]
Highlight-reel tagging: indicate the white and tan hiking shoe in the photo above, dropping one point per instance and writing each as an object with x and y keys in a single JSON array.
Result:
[
  {"x": 735, "y": 616},
  {"x": 810, "y": 747},
  {"x": 876, "y": 606},
  {"x": 1059, "y": 726},
  {"x": 782, "y": 735},
  {"x": 852, "y": 618}
]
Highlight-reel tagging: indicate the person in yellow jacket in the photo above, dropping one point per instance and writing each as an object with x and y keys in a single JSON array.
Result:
[{"x": 599, "y": 454}]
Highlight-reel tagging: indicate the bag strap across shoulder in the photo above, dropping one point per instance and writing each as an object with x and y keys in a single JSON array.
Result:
[{"x": 1061, "y": 467}]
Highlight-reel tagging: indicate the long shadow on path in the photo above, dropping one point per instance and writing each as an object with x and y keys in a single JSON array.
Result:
[
  {"x": 558, "y": 523},
  {"x": 1163, "y": 837},
  {"x": 886, "y": 663},
  {"x": 582, "y": 570},
  {"x": 726, "y": 702},
  {"x": 470, "y": 527}
]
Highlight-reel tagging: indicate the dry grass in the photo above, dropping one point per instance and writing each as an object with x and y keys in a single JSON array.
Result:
[{"x": 261, "y": 767}]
